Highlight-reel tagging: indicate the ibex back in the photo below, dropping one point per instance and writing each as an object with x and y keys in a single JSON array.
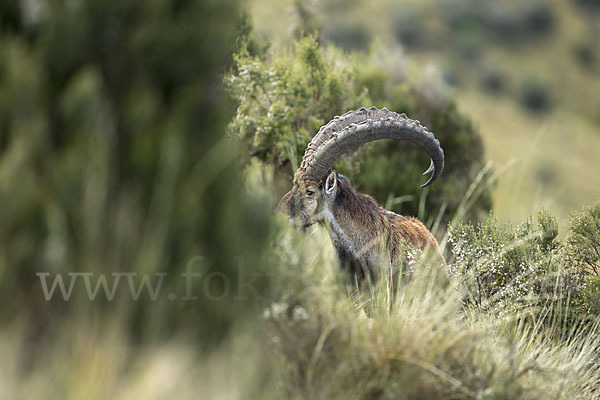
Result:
[{"x": 364, "y": 234}]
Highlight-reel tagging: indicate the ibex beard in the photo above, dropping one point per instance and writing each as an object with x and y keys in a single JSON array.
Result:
[{"x": 364, "y": 234}]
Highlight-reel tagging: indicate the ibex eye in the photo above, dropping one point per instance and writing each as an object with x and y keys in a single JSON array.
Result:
[{"x": 310, "y": 193}]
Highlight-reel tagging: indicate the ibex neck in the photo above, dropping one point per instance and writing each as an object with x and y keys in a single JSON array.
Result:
[{"x": 355, "y": 223}]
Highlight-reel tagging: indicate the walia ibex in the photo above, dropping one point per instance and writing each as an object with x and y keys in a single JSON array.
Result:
[{"x": 364, "y": 234}]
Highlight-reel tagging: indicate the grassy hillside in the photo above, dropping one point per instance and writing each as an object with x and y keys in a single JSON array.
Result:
[{"x": 548, "y": 163}]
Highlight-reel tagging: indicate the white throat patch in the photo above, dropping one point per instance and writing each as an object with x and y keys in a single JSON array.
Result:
[{"x": 338, "y": 235}]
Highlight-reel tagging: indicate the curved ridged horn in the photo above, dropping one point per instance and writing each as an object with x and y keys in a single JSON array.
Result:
[{"x": 354, "y": 128}]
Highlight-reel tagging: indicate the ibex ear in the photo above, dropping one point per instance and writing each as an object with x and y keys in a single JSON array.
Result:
[{"x": 331, "y": 184}]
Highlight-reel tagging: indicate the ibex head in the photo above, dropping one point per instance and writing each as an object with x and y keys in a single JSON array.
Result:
[
  {"x": 315, "y": 184},
  {"x": 309, "y": 199}
]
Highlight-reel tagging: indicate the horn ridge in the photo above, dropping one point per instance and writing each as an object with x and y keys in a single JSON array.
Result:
[{"x": 354, "y": 128}]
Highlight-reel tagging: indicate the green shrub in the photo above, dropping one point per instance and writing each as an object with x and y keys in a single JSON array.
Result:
[
  {"x": 504, "y": 267},
  {"x": 588, "y": 5},
  {"x": 538, "y": 17},
  {"x": 283, "y": 102},
  {"x": 583, "y": 253},
  {"x": 585, "y": 53},
  {"x": 471, "y": 39},
  {"x": 546, "y": 173},
  {"x": 535, "y": 95},
  {"x": 525, "y": 268},
  {"x": 394, "y": 168},
  {"x": 408, "y": 27},
  {"x": 348, "y": 35},
  {"x": 512, "y": 23},
  {"x": 493, "y": 80},
  {"x": 285, "y": 98}
]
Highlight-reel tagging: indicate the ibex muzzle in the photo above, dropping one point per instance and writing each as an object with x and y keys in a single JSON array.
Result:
[{"x": 364, "y": 234}]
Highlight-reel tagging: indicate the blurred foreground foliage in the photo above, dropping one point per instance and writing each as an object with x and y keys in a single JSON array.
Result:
[
  {"x": 113, "y": 158},
  {"x": 284, "y": 97}
]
